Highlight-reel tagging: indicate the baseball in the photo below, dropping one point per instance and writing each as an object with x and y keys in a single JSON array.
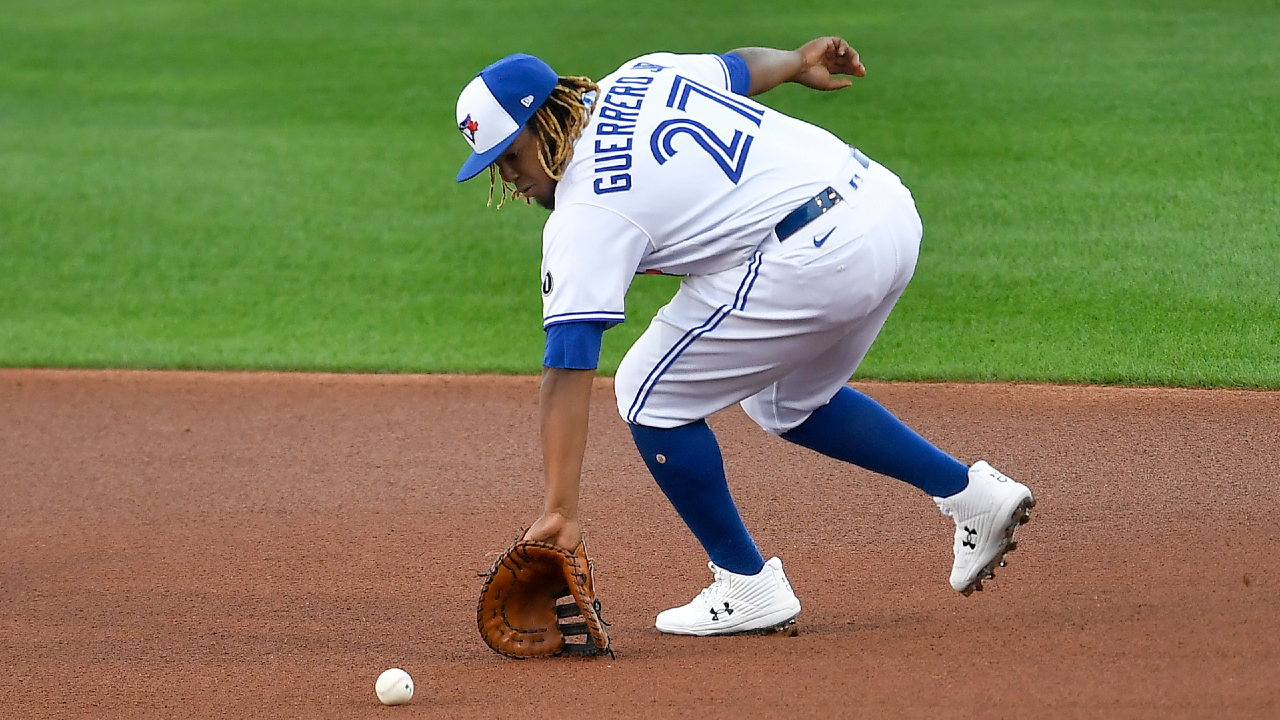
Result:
[{"x": 394, "y": 687}]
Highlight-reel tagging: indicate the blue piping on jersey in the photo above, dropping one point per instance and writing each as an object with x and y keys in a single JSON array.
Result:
[
  {"x": 613, "y": 318},
  {"x": 724, "y": 68},
  {"x": 739, "y": 75},
  {"x": 753, "y": 271},
  {"x": 711, "y": 323},
  {"x": 667, "y": 360}
]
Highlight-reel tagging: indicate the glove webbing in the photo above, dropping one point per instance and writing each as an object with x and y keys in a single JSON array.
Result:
[{"x": 573, "y": 623}]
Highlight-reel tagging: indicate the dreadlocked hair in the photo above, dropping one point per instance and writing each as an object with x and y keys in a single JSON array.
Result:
[{"x": 556, "y": 125}]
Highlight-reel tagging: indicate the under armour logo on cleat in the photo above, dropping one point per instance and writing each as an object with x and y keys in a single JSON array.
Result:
[
  {"x": 969, "y": 535},
  {"x": 715, "y": 614}
]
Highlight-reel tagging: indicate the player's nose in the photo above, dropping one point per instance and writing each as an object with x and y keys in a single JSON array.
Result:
[{"x": 507, "y": 172}]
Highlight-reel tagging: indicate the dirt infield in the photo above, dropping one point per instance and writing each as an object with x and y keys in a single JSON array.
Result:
[{"x": 263, "y": 545}]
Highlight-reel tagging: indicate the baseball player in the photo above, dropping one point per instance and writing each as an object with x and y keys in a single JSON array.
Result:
[{"x": 794, "y": 247}]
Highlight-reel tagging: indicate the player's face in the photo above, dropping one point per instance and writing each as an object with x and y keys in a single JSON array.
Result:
[{"x": 519, "y": 166}]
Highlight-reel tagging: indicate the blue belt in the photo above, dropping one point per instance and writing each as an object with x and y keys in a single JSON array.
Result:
[
  {"x": 814, "y": 207},
  {"x": 811, "y": 210}
]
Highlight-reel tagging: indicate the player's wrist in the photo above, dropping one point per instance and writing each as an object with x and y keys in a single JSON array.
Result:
[
  {"x": 559, "y": 515},
  {"x": 799, "y": 65},
  {"x": 556, "y": 529}
]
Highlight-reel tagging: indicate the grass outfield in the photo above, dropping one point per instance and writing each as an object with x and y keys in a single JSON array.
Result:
[{"x": 270, "y": 185}]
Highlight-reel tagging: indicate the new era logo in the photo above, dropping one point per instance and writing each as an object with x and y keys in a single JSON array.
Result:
[{"x": 527, "y": 100}]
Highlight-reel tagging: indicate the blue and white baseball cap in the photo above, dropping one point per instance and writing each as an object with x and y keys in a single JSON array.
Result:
[{"x": 495, "y": 106}]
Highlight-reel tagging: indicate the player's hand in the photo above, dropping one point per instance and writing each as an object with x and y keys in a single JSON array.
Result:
[
  {"x": 555, "y": 529},
  {"x": 824, "y": 57}
]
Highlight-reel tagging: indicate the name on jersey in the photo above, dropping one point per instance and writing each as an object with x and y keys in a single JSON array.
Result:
[{"x": 615, "y": 132}]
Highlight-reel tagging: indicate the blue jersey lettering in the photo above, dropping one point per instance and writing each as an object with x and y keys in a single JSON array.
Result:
[
  {"x": 609, "y": 113},
  {"x": 614, "y": 155},
  {"x": 618, "y": 162},
  {"x": 627, "y": 90},
  {"x": 620, "y": 101},
  {"x": 615, "y": 129},
  {"x": 601, "y": 148},
  {"x": 620, "y": 182}
]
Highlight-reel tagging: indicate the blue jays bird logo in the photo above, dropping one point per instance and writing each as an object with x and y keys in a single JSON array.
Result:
[{"x": 469, "y": 128}]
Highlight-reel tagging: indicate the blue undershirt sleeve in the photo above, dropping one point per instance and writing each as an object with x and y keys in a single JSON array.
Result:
[
  {"x": 739, "y": 73},
  {"x": 574, "y": 345}
]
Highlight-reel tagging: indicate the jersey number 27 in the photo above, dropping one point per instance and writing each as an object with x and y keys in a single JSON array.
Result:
[{"x": 731, "y": 156}]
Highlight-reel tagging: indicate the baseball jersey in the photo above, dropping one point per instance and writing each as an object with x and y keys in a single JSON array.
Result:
[{"x": 676, "y": 173}]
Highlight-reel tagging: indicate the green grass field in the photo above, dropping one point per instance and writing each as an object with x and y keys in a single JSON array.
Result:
[{"x": 270, "y": 185}]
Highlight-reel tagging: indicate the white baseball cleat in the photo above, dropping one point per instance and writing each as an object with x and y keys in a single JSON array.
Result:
[
  {"x": 735, "y": 604},
  {"x": 986, "y": 512}
]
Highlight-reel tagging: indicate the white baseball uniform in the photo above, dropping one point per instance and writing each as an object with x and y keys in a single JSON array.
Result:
[{"x": 678, "y": 174}]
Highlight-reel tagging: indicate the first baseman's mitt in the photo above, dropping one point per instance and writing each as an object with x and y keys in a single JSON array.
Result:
[{"x": 523, "y": 610}]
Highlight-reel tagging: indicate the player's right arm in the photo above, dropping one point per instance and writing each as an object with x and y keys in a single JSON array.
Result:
[
  {"x": 565, "y": 402},
  {"x": 568, "y": 368},
  {"x": 813, "y": 64},
  {"x": 590, "y": 256}
]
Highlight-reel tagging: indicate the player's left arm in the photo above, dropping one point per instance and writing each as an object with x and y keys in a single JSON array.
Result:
[{"x": 814, "y": 64}]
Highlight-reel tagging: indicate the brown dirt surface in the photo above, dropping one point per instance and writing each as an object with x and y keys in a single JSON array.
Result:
[{"x": 258, "y": 545}]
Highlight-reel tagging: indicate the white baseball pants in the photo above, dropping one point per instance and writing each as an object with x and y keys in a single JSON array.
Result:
[{"x": 783, "y": 333}]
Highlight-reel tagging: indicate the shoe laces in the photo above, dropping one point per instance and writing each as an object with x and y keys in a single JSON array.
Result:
[
  {"x": 944, "y": 507},
  {"x": 713, "y": 592}
]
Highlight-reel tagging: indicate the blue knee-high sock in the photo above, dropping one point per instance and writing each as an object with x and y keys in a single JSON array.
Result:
[
  {"x": 686, "y": 463},
  {"x": 856, "y": 429}
]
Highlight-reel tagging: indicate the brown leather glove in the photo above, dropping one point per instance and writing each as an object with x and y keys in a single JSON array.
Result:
[{"x": 521, "y": 613}]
